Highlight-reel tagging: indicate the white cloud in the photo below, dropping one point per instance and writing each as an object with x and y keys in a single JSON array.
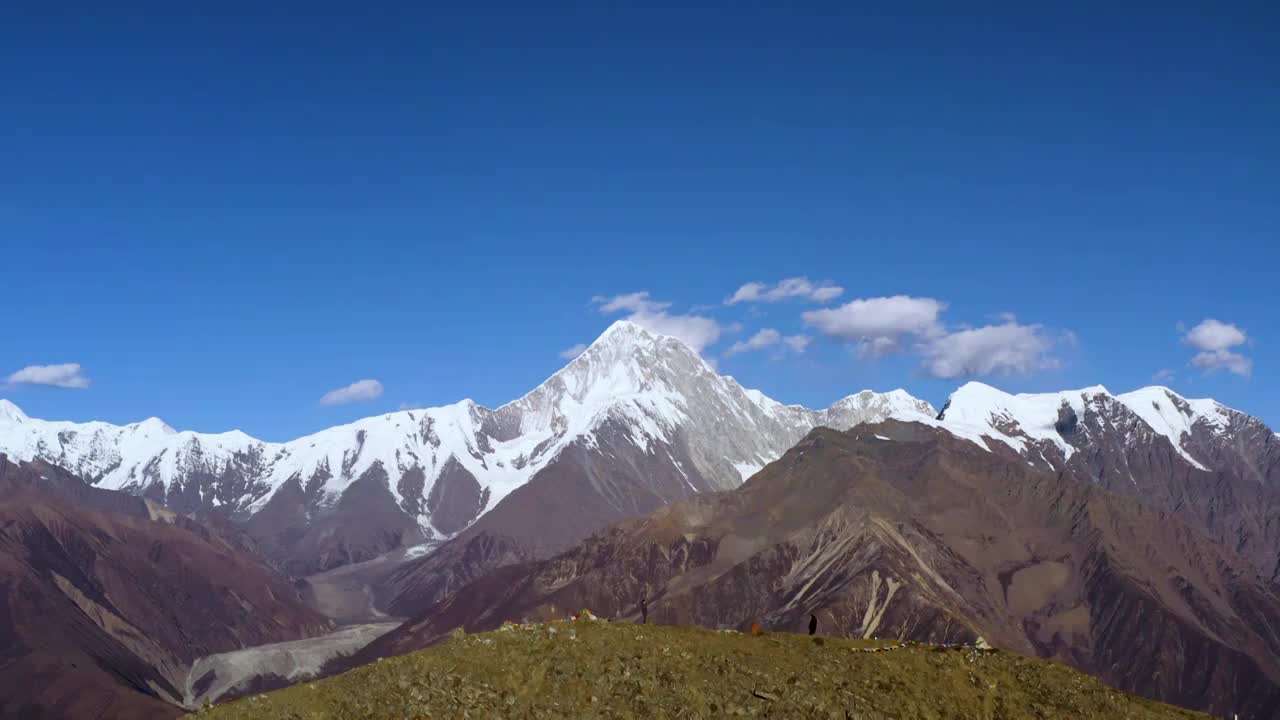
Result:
[
  {"x": 882, "y": 326},
  {"x": 878, "y": 325},
  {"x": 995, "y": 349},
  {"x": 749, "y": 292},
  {"x": 797, "y": 343},
  {"x": 826, "y": 293},
  {"x": 796, "y": 287},
  {"x": 1213, "y": 335},
  {"x": 1164, "y": 376},
  {"x": 696, "y": 331},
  {"x": 637, "y": 302},
  {"x": 412, "y": 406},
  {"x": 573, "y": 352},
  {"x": 357, "y": 391},
  {"x": 1214, "y": 339},
  {"x": 769, "y": 337},
  {"x": 759, "y": 341},
  {"x": 1232, "y": 362},
  {"x": 878, "y": 347},
  {"x": 65, "y": 375}
]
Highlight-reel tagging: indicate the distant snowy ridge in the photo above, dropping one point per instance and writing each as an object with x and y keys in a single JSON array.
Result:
[
  {"x": 651, "y": 386},
  {"x": 642, "y": 419},
  {"x": 1021, "y": 421}
]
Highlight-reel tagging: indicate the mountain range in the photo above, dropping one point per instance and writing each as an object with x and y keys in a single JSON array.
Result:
[
  {"x": 1133, "y": 535},
  {"x": 636, "y": 421}
]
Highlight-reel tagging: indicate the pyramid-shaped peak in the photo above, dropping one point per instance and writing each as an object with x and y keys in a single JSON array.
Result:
[
  {"x": 623, "y": 331},
  {"x": 154, "y": 424},
  {"x": 626, "y": 335}
]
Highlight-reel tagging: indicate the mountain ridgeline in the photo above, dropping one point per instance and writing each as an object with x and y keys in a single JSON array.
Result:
[
  {"x": 1134, "y": 536},
  {"x": 636, "y": 421}
]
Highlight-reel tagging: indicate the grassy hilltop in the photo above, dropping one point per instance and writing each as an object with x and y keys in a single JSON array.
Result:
[{"x": 590, "y": 669}]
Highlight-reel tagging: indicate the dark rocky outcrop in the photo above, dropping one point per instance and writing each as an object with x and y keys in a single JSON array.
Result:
[{"x": 456, "y": 498}]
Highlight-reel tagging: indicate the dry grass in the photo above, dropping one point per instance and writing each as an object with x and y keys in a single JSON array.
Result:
[{"x": 616, "y": 670}]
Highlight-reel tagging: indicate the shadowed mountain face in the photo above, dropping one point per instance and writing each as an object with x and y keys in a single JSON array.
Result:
[
  {"x": 903, "y": 530},
  {"x": 108, "y": 599}
]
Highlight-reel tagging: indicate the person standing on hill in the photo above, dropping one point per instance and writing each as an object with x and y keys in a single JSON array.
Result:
[{"x": 813, "y": 623}]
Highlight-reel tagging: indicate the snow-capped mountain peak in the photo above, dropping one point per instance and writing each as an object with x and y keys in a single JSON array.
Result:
[
  {"x": 11, "y": 412},
  {"x": 1026, "y": 421},
  {"x": 1015, "y": 419},
  {"x": 631, "y": 393},
  {"x": 153, "y": 425},
  {"x": 1172, "y": 414}
]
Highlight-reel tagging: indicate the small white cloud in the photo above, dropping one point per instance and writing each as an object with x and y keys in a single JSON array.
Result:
[
  {"x": 65, "y": 375},
  {"x": 1214, "y": 339},
  {"x": 358, "y": 391},
  {"x": 877, "y": 347},
  {"x": 1232, "y": 362},
  {"x": 769, "y": 337},
  {"x": 573, "y": 352},
  {"x": 696, "y": 331},
  {"x": 1213, "y": 335},
  {"x": 637, "y": 302},
  {"x": 797, "y": 343},
  {"x": 796, "y": 287},
  {"x": 759, "y": 341},
  {"x": 749, "y": 292},
  {"x": 879, "y": 324},
  {"x": 412, "y": 406},
  {"x": 1164, "y": 376},
  {"x": 826, "y": 293},
  {"x": 992, "y": 350}
]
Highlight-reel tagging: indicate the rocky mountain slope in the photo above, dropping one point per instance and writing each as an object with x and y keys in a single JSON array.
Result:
[
  {"x": 106, "y": 599},
  {"x": 636, "y": 421},
  {"x": 902, "y": 530},
  {"x": 617, "y": 670},
  {"x": 1216, "y": 468}
]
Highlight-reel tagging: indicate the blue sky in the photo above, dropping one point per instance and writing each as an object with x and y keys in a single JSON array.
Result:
[{"x": 222, "y": 214}]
